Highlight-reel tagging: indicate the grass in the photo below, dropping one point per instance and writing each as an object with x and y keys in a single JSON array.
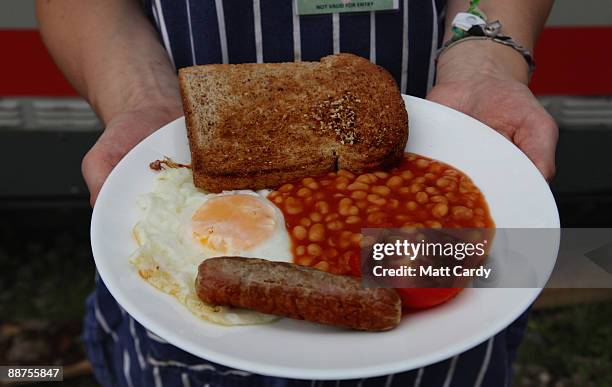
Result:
[
  {"x": 45, "y": 273},
  {"x": 567, "y": 346}
]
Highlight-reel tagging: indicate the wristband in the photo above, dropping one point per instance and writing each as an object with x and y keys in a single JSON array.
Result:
[{"x": 472, "y": 25}]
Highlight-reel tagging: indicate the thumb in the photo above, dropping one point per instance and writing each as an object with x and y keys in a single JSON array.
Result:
[
  {"x": 95, "y": 169},
  {"x": 537, "y": 138}
]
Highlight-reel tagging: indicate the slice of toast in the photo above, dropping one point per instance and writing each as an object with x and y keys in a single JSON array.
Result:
[{"x": 254, "y": 126}]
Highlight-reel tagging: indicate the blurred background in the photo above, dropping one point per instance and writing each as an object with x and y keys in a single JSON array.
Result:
[{"x": 46, "y": 267}]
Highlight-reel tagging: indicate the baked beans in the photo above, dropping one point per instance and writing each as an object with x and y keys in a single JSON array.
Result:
[{"x": 325, "y": 214}]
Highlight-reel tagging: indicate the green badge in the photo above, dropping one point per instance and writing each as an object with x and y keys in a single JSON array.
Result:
[{"x": 315, "y": 7}]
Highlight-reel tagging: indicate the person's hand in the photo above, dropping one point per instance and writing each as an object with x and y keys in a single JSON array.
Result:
[
  {"x": 122, "y": 133},
  {"x": 489, "y": 84}
]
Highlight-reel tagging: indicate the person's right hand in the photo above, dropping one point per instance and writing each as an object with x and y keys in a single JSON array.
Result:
[{"x": 122, "y": 133}]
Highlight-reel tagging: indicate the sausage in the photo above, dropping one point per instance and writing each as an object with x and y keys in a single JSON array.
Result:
[{"x": 298, "y": 292}]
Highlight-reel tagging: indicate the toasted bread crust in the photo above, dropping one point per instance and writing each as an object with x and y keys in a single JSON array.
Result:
[{"x": 253, "y": 126}]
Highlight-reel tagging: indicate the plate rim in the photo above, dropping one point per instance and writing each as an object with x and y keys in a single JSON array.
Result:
[{"x": 175, "y": 339}]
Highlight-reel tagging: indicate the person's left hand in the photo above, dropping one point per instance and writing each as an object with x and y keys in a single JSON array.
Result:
[{"x": 491, "y": 93}]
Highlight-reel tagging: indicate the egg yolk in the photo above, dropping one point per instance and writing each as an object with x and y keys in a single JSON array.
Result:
[{"x": 233, "y": 223}]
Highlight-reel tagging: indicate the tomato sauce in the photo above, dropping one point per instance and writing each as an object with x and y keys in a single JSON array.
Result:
[{"x": 324, "y": 215}]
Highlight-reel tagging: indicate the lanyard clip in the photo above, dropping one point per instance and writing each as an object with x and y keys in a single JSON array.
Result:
[{"x": 492, "y": 29}]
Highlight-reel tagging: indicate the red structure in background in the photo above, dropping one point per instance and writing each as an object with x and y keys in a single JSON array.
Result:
[
  {"x": 573, "y": 61},
  {"x": 570, "y": 61},
  {"x": 28, "y": 70}
]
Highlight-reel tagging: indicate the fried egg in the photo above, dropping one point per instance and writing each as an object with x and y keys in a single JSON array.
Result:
[{"x": 180, "y": 226}]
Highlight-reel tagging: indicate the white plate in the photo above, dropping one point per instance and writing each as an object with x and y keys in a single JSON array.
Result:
[{"x": 517, "y": 195}]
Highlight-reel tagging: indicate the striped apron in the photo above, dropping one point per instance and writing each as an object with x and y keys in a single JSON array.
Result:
[{"x": 123, "y": 352}]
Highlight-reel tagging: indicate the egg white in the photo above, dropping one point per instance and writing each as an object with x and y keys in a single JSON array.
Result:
[{"x": 168, "y": 254}]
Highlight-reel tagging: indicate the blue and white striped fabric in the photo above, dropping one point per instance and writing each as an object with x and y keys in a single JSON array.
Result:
[
  {"x": 217, "y": 31},
  {"x": 124, "y": 353}
]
